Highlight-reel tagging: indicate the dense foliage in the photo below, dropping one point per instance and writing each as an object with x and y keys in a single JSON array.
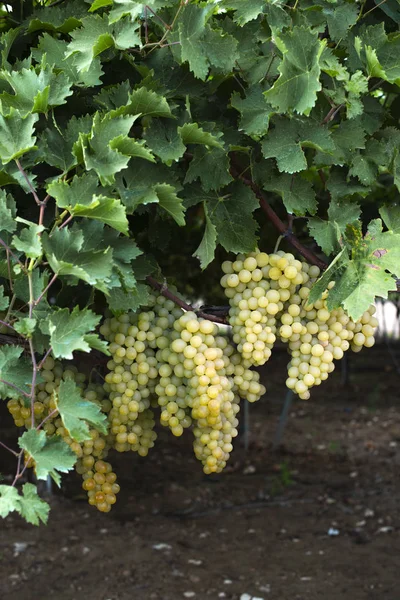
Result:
[{"x": 132, "y": 132}]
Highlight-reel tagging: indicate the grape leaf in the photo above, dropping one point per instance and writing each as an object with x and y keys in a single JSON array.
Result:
[
  {"x": 191, "y": 133},
  {"x": 66, "y": 256},
  {"x": 90, "y": 40},
  {"x": 164, "y": 140},
  {"x": 232, "y": 215},
  {"x": 80, "y": 191},
  {"x": 202, "y": 46},
  {"x": 340, "y": 186},
  {"x": 67, "y": 330},
  {"x": 108, "y": 210},
  {"x": 4, "y": 301},
  {"x": 297, "y": 193},
  {"x": 52, "y": 455},
  {"x": 286, "y": 141},
  {"x": 34, "y": 91},
  {"x": 76, "y": 412},
  {"x": 103, "y": 150},
  {"x": 391, "y": 217},
  {"x": 341, "y": 19},
  {"x": 211, "y": 166},
  {"x": 245, "y": 11},
  {"x": 121, "y": 8},
  {"x": 297, "y": 86},
  {"x": 14, "y": 369},
  {"x": 9, "y": 500},
  {"x": 146, "y": 102},
  {"x": 206, "y": 250},
  {"x": 28, "y": 240},
  {"x": 327, "y": 233},
  {"x": 55, "y": 50},
  {"x": 170, "y": 202},
  {"x": 7, "y": 212},
  {"x": 93, "y": 340},
  {"x": 16, "y": 135},
  {"x": 120, "y": 301},
  {"x": 25, "y": 326},
  {"x": 31, "y": 507},
  {"x": 57, "y": 18},
  {"x": 254, "y": 110},
  {"x": 364, "y": 269}
]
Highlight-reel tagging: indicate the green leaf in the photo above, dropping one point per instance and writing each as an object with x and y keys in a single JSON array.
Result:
[
  {"x": 34, "y": 91},
  {"x": 16, "y": 135},
  {"x": 364, "y": 269},
  {"x": 164, "y": 140},
  {"x": 97, "y": 150},
  {"x": 51, "y": 454},
  {"x": 145, "y": 102},
  {"x": 67, "y": 331},
  {"x": 14, "y": 369},
  {"x": 4, "y": 301},
  {"x": 191, "y": 133},
  {"x": 297, "y": 193},
  {"x": 55, "y": 50},
  {"x": 121, "y": 8},
  {"x": 254, "y": 110},
  {"x": 232, "y": 215},
  {"x": 297, "y": 86},
  {"x": 31, "y": 507},
  {"x": 170, "y": 202},
  {"x": 76, "y": 412},
  {"x": 203, "y": 47},
  {"x": 28, "y": 240},
  {"x": 206, "y": 250},
  {"x": 245, "y": 11},
  {"x": 7, "y": 212},
  {"x": 108, "y": 210},
  {"x": 80, "y": 191},
  {"x": 340, "y": 186},
  {"x": 63, "y": 18},
  {"x": 93, "y": 340},
  {"x": 90, "y": 40},
  {"x": 327, "y": 234},
  {"x": 9, "y": 500},
  {"x": 286, "y": 141},
  {"x": 391, "y": 218},
  {"x": 211, "y": 166},
  {"x": 341, "y": 19},
  {"x": 25, "y": 326},
  {"x": 120, "y": 301}
]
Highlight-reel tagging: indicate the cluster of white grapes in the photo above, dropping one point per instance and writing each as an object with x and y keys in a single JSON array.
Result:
[
  {"x": 99, "y": 480},
  {"x": 171, "y": 359},
  {"x": 166, "y": 359},
  {"x": 268, "y": 296}
]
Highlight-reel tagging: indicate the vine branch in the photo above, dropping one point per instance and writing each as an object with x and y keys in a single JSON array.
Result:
[
  {"x": 285, "y": 231},
  {"x": 164, "y": 291},
  {"x": 28, "y": 181}
]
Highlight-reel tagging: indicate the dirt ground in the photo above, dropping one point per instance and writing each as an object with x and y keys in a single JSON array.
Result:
[{"x": 317, "y": 519}]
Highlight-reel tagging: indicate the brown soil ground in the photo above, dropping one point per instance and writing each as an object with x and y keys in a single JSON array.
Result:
[{"x": 318, "y": 519}]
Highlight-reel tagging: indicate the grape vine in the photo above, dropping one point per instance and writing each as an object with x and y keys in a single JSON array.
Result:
[{"x": 142, "y": 146}]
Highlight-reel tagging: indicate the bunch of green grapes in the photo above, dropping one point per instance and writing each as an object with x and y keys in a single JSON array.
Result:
[
  {"x": 257, "y": 286},
  {"x": 52, "y": 373},
  {"x": 137, "y": 344},
  {"x": 211, "y": 396},
  {"x": 99, "y": 481},
  {"x": 279, "y": 285},
  {"x": 132, "y": 372}
]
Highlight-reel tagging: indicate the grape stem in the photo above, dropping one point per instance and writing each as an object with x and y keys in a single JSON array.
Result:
[{"x": 164, "y": 291}]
